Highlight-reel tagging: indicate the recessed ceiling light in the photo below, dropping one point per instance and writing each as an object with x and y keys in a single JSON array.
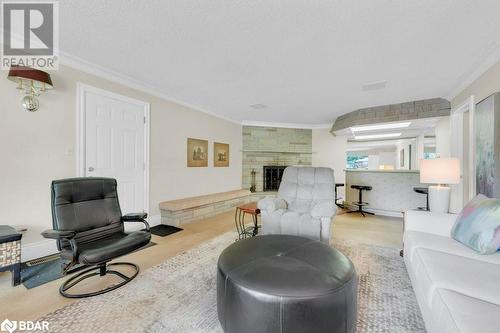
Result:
[
  {"x": 375, "y": 85},
  {"x": 377, "y": 136},
  {"x": 380, "y": 127},
  {"x": 258, "y": 106}
]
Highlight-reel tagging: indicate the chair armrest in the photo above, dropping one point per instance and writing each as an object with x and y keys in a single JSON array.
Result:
[
  {"x": 59, "y": 234},
  {"x": 432, "y": 223},
  {"x": 134, "y": 217},
  {"x": 67, "y": 235},
  {"x": 324, "y": 209},
  {"x": 270, "y": 204}
]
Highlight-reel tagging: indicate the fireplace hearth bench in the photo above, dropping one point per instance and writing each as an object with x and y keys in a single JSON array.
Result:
[{"x": 186, "y": 210}]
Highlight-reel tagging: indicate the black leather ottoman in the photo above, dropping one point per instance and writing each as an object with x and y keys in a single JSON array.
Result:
[{"x": 281, "y": 283}]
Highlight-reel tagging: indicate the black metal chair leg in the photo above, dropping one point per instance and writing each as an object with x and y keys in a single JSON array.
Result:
[
  {"x": 102, "y": 271},
  {"x": 123, "y": 276},
  {"x": 255, "y": 225},
  {"x": 237, "y": 223},
  {"x": 360, "y": 202}
]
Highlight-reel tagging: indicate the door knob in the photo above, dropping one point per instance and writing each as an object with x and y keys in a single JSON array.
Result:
[{"x": 91, "y": 169}]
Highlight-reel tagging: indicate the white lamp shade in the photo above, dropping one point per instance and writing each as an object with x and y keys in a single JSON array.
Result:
[{"x": 440, "y": 171}]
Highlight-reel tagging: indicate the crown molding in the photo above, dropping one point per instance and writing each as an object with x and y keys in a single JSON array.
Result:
[
  {"x": 110, "y": 75},
  {"x": 88, "y": 67},
  {"x": 467, "y": 79},
  {"x": 105, "y": 73},
  {"x": 284, "y": 125}
]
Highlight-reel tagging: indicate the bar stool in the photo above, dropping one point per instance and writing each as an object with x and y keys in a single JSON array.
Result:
[
  {"x": 360, "y": 202},
  {"x": 423, "y": 190},
  {"x": 337, "y": 198}
]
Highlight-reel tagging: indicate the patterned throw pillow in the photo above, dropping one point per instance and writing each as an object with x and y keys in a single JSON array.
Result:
[{"x": 478, "y": 225}]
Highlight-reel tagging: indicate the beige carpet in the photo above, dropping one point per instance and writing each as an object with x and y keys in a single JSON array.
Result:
[{"x": 179, "y": 295}]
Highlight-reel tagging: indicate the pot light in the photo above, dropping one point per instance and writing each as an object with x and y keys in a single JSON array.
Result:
[
  {"x": 380, "y": 127},
  {"x": 258, "y": 106},
  {"x": 377, "y": 136},
  {"x": 374, "y": 85}
]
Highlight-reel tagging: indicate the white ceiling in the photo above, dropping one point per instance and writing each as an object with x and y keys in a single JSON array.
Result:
[{"x": 306, "y": 60}]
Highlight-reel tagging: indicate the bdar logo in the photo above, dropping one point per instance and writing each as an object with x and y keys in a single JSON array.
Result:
[
  {"x": 24, "y": 325},
  {"x": 9, "y": 326}
]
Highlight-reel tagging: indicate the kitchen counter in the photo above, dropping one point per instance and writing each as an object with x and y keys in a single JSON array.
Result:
[
  {"x": 392, "y": 190},
  {"x": 382, "y": 171}
]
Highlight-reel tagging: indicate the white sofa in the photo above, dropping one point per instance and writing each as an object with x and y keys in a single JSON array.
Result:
[{"x": 457, "y": 289}]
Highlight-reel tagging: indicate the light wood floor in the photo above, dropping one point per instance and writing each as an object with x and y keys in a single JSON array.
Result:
[{"x": 19, "y": 303}]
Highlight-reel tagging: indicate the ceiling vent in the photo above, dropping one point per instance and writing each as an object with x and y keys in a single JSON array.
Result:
[
  {"x": 258, "y": 106},
  {"x": 375, "y": 85}
]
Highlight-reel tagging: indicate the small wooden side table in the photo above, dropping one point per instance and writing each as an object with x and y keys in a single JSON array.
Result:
[
  {"x": 10, "y": 252},
  {"x": 239, "y": 220}
]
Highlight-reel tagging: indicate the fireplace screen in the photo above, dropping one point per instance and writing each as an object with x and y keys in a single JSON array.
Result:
[{"x": 272, "y": 177}]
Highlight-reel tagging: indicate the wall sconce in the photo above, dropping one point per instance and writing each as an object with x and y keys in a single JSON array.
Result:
[{"x": 31, "y": 82}]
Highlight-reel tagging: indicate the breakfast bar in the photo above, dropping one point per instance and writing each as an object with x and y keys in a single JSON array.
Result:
[{"x": 391, "y": 190}]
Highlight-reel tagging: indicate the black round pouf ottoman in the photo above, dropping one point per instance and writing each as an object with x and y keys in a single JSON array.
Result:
[{"x": 280, "y": 283}]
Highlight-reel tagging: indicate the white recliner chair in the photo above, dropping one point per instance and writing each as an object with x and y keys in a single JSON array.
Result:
[{"x": 304, "y": 206}]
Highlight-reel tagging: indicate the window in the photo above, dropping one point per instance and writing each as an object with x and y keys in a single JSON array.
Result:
[
  {"x": 357, "y": 162},
  {"x": 430, "y": 156}
]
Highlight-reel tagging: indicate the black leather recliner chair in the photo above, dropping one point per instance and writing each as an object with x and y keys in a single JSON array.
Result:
[{"x": 88, "y": 227}]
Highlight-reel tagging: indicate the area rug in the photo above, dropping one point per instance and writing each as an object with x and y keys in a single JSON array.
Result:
[{"x": 179, "y": 295}]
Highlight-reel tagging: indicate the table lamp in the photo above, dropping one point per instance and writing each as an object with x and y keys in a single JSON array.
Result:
[{"x": 442, "y": 172}]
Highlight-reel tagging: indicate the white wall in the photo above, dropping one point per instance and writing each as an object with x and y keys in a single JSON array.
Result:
[
  {"x": 39, "y": 147},
  {"x": 387, "y": 158},
  {"x": 405, "y": 144},
  {"x": 485, "y": 85},
  {"x": 443, "y": 137},
  {"x": 373, "y": 161},
  {"x": 419, "y": 150},
  {"x": 330, "y": 151}
]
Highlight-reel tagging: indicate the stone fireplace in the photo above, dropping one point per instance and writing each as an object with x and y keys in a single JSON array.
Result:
[
  {"x": 271, "y": 147},
  {"x": 272, "y": 177}
]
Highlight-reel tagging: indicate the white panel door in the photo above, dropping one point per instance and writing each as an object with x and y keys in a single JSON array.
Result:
[{"x": 115, "y": 135}]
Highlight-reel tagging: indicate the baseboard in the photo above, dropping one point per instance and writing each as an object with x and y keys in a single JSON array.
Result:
[
  {"x": 390, "y": 213},
  {"x": 38, "y": 249},
  {"x": 385, "y": 212}
]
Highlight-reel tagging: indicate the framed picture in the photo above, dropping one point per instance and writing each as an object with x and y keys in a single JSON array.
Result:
[
  {"x": 221, "y": 154},
  {"x": 487, "y": 146},
  {"x": 197, "y": 153}
]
